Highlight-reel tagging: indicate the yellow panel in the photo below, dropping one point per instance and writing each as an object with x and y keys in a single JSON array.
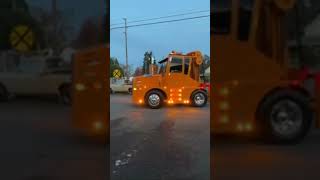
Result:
[
  {"x": 246, "y": 76},
  {"x": 90, "y": 109}
]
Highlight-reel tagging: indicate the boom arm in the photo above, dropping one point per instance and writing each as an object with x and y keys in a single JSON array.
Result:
[{"x": 196, "y": 62}]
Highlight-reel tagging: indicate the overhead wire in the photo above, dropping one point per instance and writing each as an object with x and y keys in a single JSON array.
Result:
[
  {"x": 163, "y": 17},
  {"x": 160, "y": 22}
]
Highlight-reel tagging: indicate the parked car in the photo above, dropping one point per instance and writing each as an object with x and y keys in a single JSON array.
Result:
[
  {"x": 123, "y": 87},
  {"x": 34, "y": 76}
]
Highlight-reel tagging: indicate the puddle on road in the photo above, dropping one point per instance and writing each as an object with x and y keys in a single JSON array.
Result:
[{"x": 124, "y": 160}]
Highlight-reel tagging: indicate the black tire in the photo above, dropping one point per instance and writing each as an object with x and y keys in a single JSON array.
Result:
[
  {"x": 199, "y": 98},
  {"x": 295, "y": 108},
  {"x": 65, "y": 94},
  {"x": 130, "y": 90},
  {"x": 157, "y": 104},
  {"x": 4, "y": 94},
  {"x": 111, "y": 91}
]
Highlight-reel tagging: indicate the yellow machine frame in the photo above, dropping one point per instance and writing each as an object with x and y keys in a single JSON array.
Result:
[
  {"x": 90, "y": 107},
  {"x": 176, "y": 87},
  {"x": 244, "y": 71}
]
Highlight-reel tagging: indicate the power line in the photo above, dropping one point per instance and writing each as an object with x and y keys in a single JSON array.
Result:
[
  {"x": 167, "y": 16},
  {"x": 181, "y": 12},
  {"x": 162, "y": 17},
  {"x": 160, "y": 22}
]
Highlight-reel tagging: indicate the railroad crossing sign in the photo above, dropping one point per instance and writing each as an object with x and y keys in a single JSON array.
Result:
[
  {"x": 22, "y": 38},
  {"x": 116, "y": 73}
]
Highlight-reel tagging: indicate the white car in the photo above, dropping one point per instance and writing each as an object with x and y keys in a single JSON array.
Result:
[
  {"x": 34, "y": 76},
  {"x": 121, "y": 87}
]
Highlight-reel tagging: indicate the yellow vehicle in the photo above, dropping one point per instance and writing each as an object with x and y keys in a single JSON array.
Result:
[
  {"x": 253, "y": 90},
  {"x": 177, "y": 82},
  {"x": 90, "y": 107}
]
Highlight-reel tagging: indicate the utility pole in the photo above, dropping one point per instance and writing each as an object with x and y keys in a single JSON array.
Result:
[
  {"x": 54, "y": 13},
  {"x": 54, "y": 20},
  {"x": 126, "y": 41},
  {"x": 14, "y": 5}
]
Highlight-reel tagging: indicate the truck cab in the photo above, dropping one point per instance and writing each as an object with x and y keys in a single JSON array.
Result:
[
  {"x": 253, "y": 90},
  {"x": 176, "y": 82}
]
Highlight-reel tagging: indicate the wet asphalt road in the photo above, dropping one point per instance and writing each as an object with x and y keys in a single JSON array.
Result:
[
  {"x": 172, "y": 143},
  {"x": 38, "y": 143},
  {"x": 249, "y": 159}
]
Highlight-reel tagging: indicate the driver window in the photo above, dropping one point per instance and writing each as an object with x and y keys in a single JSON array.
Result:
[
  {"x": 176, "y": 65},
  {"x": 221, "y": 17},
  {"x": 162, "y": 68},
  {"x": 186, "y": 65},
  {"x": 245, "y": 18}
]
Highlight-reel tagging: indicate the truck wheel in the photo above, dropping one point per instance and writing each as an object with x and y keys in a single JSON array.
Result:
[
  {"x": 199, "y": 99},
  {"x": 285, "y": 116},
  {"x": 130, "y": 90},
  {"x": 111, "y": 91},
  {"x": 65, "y": 94},
  {"x": 154, "y": 99},
  {"x": 4, "y": 95}
]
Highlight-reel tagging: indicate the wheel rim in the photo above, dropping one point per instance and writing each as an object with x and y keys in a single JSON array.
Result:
[
  {"x": 286, "y": 117},
  {"x": 199, "y": 99},
  {"x": 154, "y": 99}
]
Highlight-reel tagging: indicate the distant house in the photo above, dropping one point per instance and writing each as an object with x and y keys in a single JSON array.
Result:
[
  {"x": 206, "y": 75},
  {"x": 207, "y": 72},
  {"x": 309, "y": 50}
]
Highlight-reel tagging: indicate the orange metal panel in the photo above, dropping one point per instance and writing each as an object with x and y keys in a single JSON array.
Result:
[
  {"x": 169, "y": 83},
  {"x": 90, "y": 109}
]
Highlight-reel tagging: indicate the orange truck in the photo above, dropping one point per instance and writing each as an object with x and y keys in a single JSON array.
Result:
[
  {"x": 176, "y": 82},
  {"x": 254, "y": 89},
  {"x": 90, "y": 106}
]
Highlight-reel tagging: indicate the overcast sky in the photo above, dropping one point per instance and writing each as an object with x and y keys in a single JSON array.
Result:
[{"x": 183, "y": 36}]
